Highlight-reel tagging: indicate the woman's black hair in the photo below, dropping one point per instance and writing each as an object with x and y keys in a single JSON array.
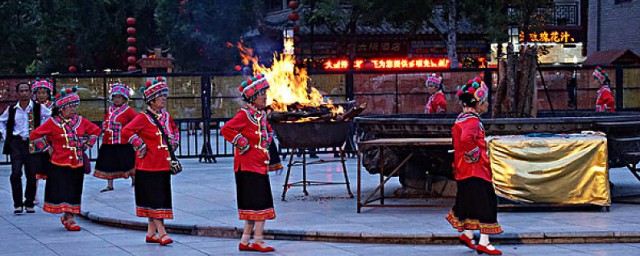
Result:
[
  {"x": 468, "y": 100},
  {"x": 55, "y": 111},
  {"x": 254, "y": 96},
  {"x": 47, "y": 90}
]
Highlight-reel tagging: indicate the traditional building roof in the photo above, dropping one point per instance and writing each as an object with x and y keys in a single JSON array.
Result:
[
  {"x": 278, "y": 21},
  {"x": 613, "y": 57}
]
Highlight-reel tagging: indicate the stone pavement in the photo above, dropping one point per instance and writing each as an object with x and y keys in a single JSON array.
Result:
[{"x": 204, "y": 205}]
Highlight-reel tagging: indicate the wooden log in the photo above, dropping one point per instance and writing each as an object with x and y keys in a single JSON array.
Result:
[
  {"x": 510, "y": 80},
  {"x": 353, "y": 112}
]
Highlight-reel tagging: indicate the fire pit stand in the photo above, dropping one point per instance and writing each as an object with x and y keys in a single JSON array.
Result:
[{"x": 309, "y": 135}]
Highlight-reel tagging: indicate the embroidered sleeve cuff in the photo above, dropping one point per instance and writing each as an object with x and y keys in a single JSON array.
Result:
[
  {"x": 270, "y": 140},
  {"x": 137, "y": 142},
  {"x": 39, "y": 145},
  {"x": 90, "y": 140},
  {"x": 472, "y": 156},
  {"x": 241, "y": 143},
  {"x": 175, "y": 141}
]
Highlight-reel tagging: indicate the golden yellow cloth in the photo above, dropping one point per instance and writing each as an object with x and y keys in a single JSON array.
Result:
[{"x": 562, "y": 169}]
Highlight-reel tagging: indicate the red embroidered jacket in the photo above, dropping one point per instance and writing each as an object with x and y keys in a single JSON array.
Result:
[
  {"x": 437, "y": 103},
  {"x": 251, "y": 135},
  {"x": 68, "y": 137},
  {"x": 115, "y": 119},
  {"x": 470, "y": 157},
  {"x": 605, "y": 101},
  {"x": 142, "y": 132}
]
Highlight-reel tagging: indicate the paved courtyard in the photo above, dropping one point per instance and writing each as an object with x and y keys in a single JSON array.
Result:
[{"x": 205, "y": 209}]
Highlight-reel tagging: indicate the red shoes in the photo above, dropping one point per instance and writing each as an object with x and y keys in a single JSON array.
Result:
[
  {"x": 69, "y": 224},
  {"x": 464, "y": 239},
  {"x": 255, "y": 247},
  {"x": 259, "y": 248},
  {"x": 244, "y": 247},
  {"x": 480, "y": 249},
  {"x": 165, "y": 240},
  {"x": 152, "y": 239}
]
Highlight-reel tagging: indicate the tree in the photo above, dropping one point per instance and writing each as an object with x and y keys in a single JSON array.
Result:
[
  {"x": 342, "y": 18},
  {"x": 88, "y": 34},
  {"x": 17, "y": 47},
  {"x": 197, "y": 30},
  {"x": 488, "y": 18}
]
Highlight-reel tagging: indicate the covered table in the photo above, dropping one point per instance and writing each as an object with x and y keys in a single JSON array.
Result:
[{"x": 551, "y": 169}]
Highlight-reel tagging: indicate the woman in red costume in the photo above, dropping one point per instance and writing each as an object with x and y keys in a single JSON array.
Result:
[
  {"x": 153, "y": 176},
  {"x": 437, "y": 103},
  {"x": 476, "y": 206},
  {"x": 65, "y": 136},
  {"x": 116, "y": 158},
  {"x": 251, "y": 135},
  {"x": 43, "y": 90},
  {"x": 604, "y": 101}
]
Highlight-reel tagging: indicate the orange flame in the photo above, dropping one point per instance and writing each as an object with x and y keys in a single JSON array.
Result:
[{"x": 288, "y": 83}]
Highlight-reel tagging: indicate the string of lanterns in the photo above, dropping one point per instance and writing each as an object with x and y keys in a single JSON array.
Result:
[{"x": 131, "y": 41}]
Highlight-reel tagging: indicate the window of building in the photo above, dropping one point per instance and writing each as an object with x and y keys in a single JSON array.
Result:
[{"x": 273, "y": 5}]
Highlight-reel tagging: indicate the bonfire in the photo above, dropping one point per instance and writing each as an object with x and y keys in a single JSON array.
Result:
[{"x": 289, "y": 97}]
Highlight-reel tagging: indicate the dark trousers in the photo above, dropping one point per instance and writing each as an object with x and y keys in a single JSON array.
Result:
[{"x": 20, "y": 156}]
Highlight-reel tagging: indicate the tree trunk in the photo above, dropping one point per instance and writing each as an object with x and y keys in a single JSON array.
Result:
[{"x": 452, "y": 38}]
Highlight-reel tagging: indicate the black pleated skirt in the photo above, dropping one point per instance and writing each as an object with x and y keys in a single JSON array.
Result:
[
  {"x": 153, "y": 194},
  {"x": 63, "y": 191},
  {"x": 476, "y": 207},
  {"x": 42, "y": 165},
  {"x": 255, "y": 201},
  {"x": 275, "y": 163},
  {"x": 115, "y": 161}
]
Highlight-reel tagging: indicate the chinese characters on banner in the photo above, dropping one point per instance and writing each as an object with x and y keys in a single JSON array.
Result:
[
  {"x": 385, "y": 47},
  {"x": 388, "y": 63},
  {"x": 547, "y": 37}
]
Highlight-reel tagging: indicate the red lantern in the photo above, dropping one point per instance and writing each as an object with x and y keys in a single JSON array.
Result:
[
  {"x": 131, "y": 40},
  {"x": 132, "y": 67},
  {"x": 238, "y": 68},
  {"x": 294, "y": 4},
  {"x": 131, "y": 59},
  {"x": 296, "y": 39},
  {"x": 131, "y": 21},
  {"x": 131, "y": 30},
  {"x": 296, "y": 28},
  {"x": 72, "y": 69},
  {"x": 132, "y": 49},
  {"x": 293, "y": 16}
]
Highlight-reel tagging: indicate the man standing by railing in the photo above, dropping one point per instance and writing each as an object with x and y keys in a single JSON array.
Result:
[{"x": 16, "y": 123}]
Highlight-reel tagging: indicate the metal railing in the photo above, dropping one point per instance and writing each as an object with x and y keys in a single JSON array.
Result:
[{"x": 201, "y": 103}]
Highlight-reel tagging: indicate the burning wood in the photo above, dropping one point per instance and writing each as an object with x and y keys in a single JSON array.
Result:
[
  {"x": 297, "y": 113},
  {"x": 289, "y": 97}
]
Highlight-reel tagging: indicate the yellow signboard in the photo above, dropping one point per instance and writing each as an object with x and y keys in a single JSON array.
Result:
[{"x": 547, "y": 37}]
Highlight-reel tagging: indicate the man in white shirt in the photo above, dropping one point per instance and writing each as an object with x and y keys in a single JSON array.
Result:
[{"x": 16, "y": 123}]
